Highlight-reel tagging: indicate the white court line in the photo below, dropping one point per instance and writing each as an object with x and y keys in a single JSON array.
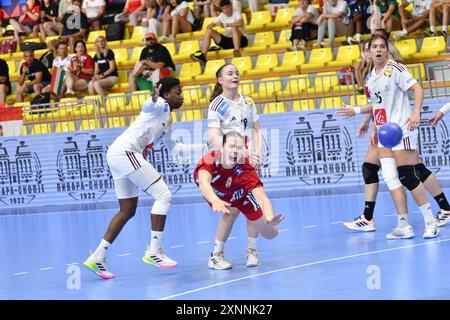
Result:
[
  {"x": 232, "y": 238},
  {"x": 336, "y": 222},
  {"x": 202, "y": 242},
  {"x": 390, "y": 215},
  {"x": 310, "y": 226},
  {"x": 124, "y": 254},
  {"x": 302, "y": 266},
  {"x": 177, "y": 246},
  {"x": 72, "y": 263},
  {"x": 48, "y": 268},
  {"x": 283, "y": 230},
  {"x": 20, "y": 273}
]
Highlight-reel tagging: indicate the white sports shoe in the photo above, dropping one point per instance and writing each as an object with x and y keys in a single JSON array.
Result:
[
  {"x": 218, "y": 262},
  {"x": 252, "y": 258},
  {"x": 159, "y": 259},
  {"x": 443, "y": 218},
  {"x": 98, "y": 266},
  {"x": 401, "y": 233},
  {"x": 431, "y": 230},
  {"x": 360, "y": 224}
]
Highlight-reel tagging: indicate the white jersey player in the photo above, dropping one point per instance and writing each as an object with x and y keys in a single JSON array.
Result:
[{"x": 131, "y": 172}]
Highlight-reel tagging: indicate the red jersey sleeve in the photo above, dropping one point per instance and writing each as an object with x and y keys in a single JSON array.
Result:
[
  {"x": 207, "y": 163},
  {"x": 250, "y": 179}
]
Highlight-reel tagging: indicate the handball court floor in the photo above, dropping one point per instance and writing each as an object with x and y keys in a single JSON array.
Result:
[{"x": 313, "y": 257}]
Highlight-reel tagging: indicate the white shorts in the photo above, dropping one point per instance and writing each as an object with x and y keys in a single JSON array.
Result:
[{"x": 410, "y": 141}]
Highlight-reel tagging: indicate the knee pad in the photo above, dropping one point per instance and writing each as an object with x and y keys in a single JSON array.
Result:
[
  {"x": 162, "y": 195},
  {"x": 390, "y": 174},
  {"x": 422, "y": 172},
  {"x": 408, "y": 177},
  {"x": 370, "y": 173}
]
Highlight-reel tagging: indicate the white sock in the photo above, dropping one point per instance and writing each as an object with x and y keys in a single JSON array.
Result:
[
  {"x": 156, "y": 241},
  {"x": 427, "y": 213},
  {"x": 358, "y": 37},
  {"x": 402, "y": 220},
  {"x": 100, "y": 252},
  {"x": 405, "y": 32},
  {"x": 218, "y": 246},
  {"x": 433, "y": 29},
  {"x": 444, "y": 28},
  {"x": 252, "y": 243}
]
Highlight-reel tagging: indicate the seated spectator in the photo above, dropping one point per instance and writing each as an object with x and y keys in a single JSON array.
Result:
[
  {"x": 34, "y": 76},
  {"x": 94, "y": 10},
  {"x": 415, "y": 20},
  {"x": 5, "y": 84},
  {"x": 28, "y": 21},
  {"x": 70, "y": 32},
  {"x": 105, "y": 71},
  {"x": 181, "y": 19},
  {"x": 154, "y": 63},
  {"x": 234, "y": 37},
  {"x": 81, "y": 70},
  {"x": 303, "y": 24},
  {"x": 62, "y": 61},
  {"x": 202, "y": 6},
  {"x": 52, "y": 29},
  {"x": 133, "y": 11},
  {"x": 47, "y": 57},
  {"x": 359, "y": 14},
  {"x": 49, "y": 17},
  {"x": 388, "y": 15},
  {"x": 238, "y": 5},
  {"x": 152, "y": 23},
  {"x": 440, "y": 8},
  {"x": 334, "y": 19}
]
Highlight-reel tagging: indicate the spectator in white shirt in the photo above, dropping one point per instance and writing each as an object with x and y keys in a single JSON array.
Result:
[
  {"x": 61, "y": 61},
  {"x": 440, "y": 8},
  {"x": 181, "y": 19},
  {"x": 334, "y": 19},
  {"x": 412, "y": 21},
  {"x": 303, "y": 24},
  {"x": 94, "y": 10}
]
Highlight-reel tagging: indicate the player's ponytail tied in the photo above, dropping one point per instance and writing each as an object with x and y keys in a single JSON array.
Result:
[{"x": 218, "y": 87}]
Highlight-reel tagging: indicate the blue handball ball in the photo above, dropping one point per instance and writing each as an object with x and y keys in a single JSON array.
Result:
[{"x": 390, "y": 134}]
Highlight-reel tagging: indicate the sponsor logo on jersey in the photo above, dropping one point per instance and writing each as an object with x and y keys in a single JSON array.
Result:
[
  {"x": 215, "y": 178},
  {"x": 248, "y": 101},
  {"x": 228, "y": 183},
  {"x": 222, "y": 108},
  {"x": 380, "y": 116},
  {"x": 166, "y": 107},
  {"x": 218, "y": 193},
  {"x": 238, "y": 170},
  {"x": 388, "y": 72},
  {"x": 237, "y": 195}
]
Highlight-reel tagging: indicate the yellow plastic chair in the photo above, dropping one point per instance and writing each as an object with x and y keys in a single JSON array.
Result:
[
  {"x": 332, "y": 102},
  {"x": 274, "y": 107},
  {"x": 89, "y": 124},
  {"x": 188, "y": 71},
  {"x": 171, "y": 47},
  {"x": 360, "y": 99},
  {"x": 115, "y": 122},
  {"x": 186, "y": 49},
  {"x": 418, "y": 71},
  {"x": 431, "y": 47},
  {"x": 260, "y": 20},
  {"x": 261, "y": 42},
  {"x": 303, "y": 105},
  {"x": 295, "y": 86},
  {"x": 65, "y": 126},
  {"x": 283, "y": 40},
  {"x": 243, "y": 64},
  {"x": 133, "y": 58},
  {"x": 190, "y": 115},
  {"x": 94, "y": 34},
  {"x": 137, "y": 37},
  {"x": 323, "y": 83},
  {"x": 89, "y": 104},
  {"x": 136, "y": 101},
  {"x": 192, "y": 95},
  {"x": 206, "y": 22},
  {"x": 406, "y": 47},
  {"x": 282, "y": 18},
  {"x": 292, "y": 60},
  {"x": 211, "y": 68},
  {"x": 346, "y": 56},
  {"x": 115, "y": 102},
  {"x": 174, "y": 116},
  {"x": 319, "y": 58},
  {"x": 41, "y": 128},
  {"x": 248, "y": 88},
  {"x": 120, "y": 55},
  {"x": 269, "y": 86},
  {"x": 264, "y": 65}
]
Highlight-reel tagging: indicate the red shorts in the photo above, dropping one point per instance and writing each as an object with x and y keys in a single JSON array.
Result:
[{"x": 248, "y": 206}]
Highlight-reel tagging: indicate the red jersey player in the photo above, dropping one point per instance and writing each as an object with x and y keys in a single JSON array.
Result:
[{"x": 231, "y": 185}]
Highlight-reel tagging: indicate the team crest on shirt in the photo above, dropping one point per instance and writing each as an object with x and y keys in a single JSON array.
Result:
[
  {"x": 238, "y": 170},
  {"x": 388, "y": 72},
  {"x": 248, "y": 101},
  {"x": 228, "y": 183}
]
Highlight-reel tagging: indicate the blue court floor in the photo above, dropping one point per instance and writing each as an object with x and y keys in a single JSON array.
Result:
[{"x": 313, "y": 257}]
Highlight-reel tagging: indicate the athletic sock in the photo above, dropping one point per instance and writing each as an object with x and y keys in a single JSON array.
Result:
[
  {"x": 444, "y": 29},
  {"x": 442, "y": 202},
  {"x": 252, "y": 243},
  {"x": 427, "y": 213},
  {"x": 218, "y": 246},
  {"x": 156, "y": 241},
  {"x": 433, "y": 29},
  {"x": 100, "y": 252},
  {"x": 402, "y": 220},
  {"x": 369, "y": 207}
]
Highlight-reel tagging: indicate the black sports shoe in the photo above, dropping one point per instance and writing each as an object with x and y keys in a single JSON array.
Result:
[
  {"x": 200, "y": 57},
  {"x": 429, "y": 34},
  {"x": 442, "y": 33},
  {"x": 214, "y": 48}
]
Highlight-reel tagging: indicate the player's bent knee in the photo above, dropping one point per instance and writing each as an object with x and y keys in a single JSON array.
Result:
[
  {"x": 370, "y": 173},
  {"x": 162, "y": 195},
  {"x": 408, "y": 177},
  {"x": 270, "y": 233},
  {"x": 422, "y": 172},
  {"x": 390, "y": 174}
]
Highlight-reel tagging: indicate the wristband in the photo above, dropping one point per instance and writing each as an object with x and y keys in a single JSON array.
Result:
[{"x": 357, "y": 110}]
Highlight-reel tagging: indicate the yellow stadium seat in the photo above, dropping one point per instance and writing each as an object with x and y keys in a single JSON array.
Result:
[
  {"x": 406, "y": 47},
  {"x": 261, "y": 42},
  {"x": 211, "y": 68},
  {"x": 248, "y": 88},
  {"x": 94, "y": 34},
  {"x": 282, "y": 18},
  {"x": 41, "y": 128},
  {"x": 171, "y": 47},
  {"x": 188, "y": 71},
  {"x": 346, "y": 56},
  {"x": 115, "y": 102},
  {"x": 174, "y": 116},
  {"x": 24, "y": 130},
  {"x": 302, "y": 105},
  {"x": 89, "y": 104},
  {"x": 242, "y": 63},
  {"x": 50, "y": 38},
  {"x": 323, "y": 83},
  {"x": 264, "y": 65},
  {"x": 418, "y": 71},
  {"x": 319, "y": 58},
  {"x": 269, "y": 87},
  {"x": 274, "y": 107},
  {"x": 360, "y": 100},
  {"x": 123, "y": 76},
  {"x": 260, "y": 19},
  {"x": 283, "y": 40},
  {"x": 192, "y": 95},
  {"x": 295, "y": 86},
  {"x": 189, "y": 115},
  {"x": 186, "y": 49},
  {"x": 13, "y": 69},
  {"x": 207, "y": 22},
  {"x": 136, "y": 101},
  {"x": 137, "y": 37},
  {"x": 89, "y": 124},
  {"x": 65, "y": 126},
  {"x": 291, "y": 62},
  {"x": 135, "y": 55},
  {"x": 115, "y": 122},
  {"x": 333, "y": 102},
  {"x": 431, "y": 47},
  {"x": 120, "y": 55}
]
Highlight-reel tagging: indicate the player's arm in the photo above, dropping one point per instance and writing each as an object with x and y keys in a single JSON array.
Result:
[
  {"x": 266, "y": 206},
  {"x": 414, "y": 119},
  {"x": 439, "y": 115},
  {"x": 350, "y": 111},
  {"x": 204, "y": 183}
]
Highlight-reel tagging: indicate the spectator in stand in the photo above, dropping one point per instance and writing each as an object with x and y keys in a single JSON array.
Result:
[
  {"x": 34, "y": 76},
  {"x": 154, "y": 58},
  {"x": 105, "y": 71},
  {"x": 52, "y": 29},
  {"x": 334, "y": 19},
  {"x": 388, "y": 15},
  {"x": 81, "y": 70},
  {"x": 181, "y": 19},
  {"x": 28, "y": 21},
  {"x": 62, "y": 61},
  {"x": 94, "y": 10},
  {"x": 49, "y": 17},
  {"x": 5, "y": 84},
  {"x": 359, "y": 14},
  {"x": 70, "y": 32},
  {"x": 2, "y": 29},
  {"x": 234, "y": 37},
  {"x": 415, "y": 20},
  {"x": 202, "y": 6},
  {"x": 48, "y": 56},
  {"x": 303, "y": 24},
  {"x": 133, "y": 11},
  {"x": 440, "y": 8},
  {"x": 152, "y": 23}
]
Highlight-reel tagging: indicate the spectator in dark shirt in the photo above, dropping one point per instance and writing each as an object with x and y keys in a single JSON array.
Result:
[
  {"x": 81, "y": 70},
  {"x": 73, "y": 25},
  {"x": 5, "y": 85},
  {"x": 49, "y": 17},
  {"x": 105, "y": 72},
  {"x": 154, "y": 58},
  {"x": 33, "y": 76},
  {"x": 359, "y": 13}
]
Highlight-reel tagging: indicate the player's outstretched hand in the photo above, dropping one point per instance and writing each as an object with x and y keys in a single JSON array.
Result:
[
  {"x": 413, "y": 121},
  {"x": 346, "y": 112},
  {"x": 155, "y": 93},
  {"x": 276, "y": 220},
  {"x": 363, "y": 129},
  {"x": 221, "y": 206},
  {"x": 435, "y": 119}
]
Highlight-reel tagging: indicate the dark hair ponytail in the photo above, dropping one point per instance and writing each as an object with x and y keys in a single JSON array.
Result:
[{"x": 218, "y": 87}]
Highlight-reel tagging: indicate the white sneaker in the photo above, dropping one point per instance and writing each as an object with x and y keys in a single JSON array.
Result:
[
  {"x": 252, "y": 258},
  {"x": 163, "y": 39},
  {"x": 431, "y": 230},
  {"x": 401, "y": 233},
  {"x": 443, "y": 218},
  {"x": 218, "y": 262},
  {"x": 360, "y": 224},
  {"x": 98, "y": 266},
  {"x": 399, "y": 35},
  {"x": 159, "y": 259}
]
